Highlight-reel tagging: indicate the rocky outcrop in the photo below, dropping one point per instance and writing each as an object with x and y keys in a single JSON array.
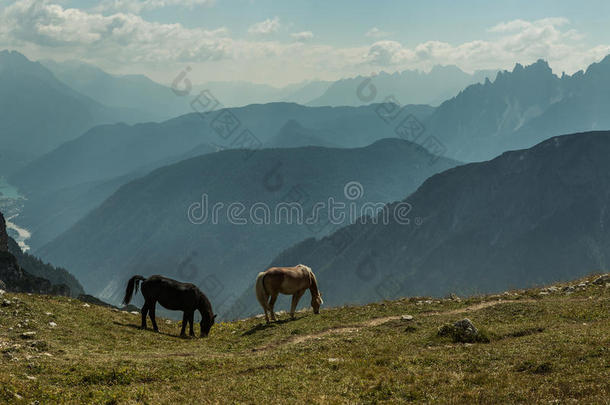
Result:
[
  {"x": 3, "y": 235},
  {"x": 14, "y": 278}
]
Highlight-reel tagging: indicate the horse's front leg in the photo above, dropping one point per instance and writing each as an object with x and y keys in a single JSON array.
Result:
[
  {"x": 191, "y": 319},
  {"x": 144, "y": 313},
  {"x": 295, "y": 301},
  {"x": 184, "y": 322},
  {"x": 271, "y": 304},
  {"x": 153, "y": 316}
]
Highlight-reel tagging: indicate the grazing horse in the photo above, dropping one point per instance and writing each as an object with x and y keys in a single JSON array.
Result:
[
  {"x": 287, "y": 280},
  {"x": 175, "y": 296}
]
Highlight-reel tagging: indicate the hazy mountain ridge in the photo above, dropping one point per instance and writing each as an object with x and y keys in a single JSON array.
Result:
[{"x": 407, "y": 87}]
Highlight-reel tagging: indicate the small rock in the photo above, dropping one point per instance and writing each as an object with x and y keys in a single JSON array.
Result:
[
  {"x": 6, "y": 303},
  {"x": 601, "y": 280},
  {"x": 582, "y": 285},
  {"x": 333, "y": 360},
  {"x": 31, "y": 378},
  {"x": 2, "y": 292},
  {"x": 467, "y": 326},
  {"x": 52, "y": 324},
  {"x": 86, "y": 305},
  {"x": 48, "y": 314},
  {"x": 167, "y": 321},
  {"x": 406, "y": 318},
  {"x": 28, "y": 335},
  {"x": 134, "y": 313},
  {"x": 462, "y": 331},
  {"x": 543, "y": 293},
  {"x": 568, "y": 288}
]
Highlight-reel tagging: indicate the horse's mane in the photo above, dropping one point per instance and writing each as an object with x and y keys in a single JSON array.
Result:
[
  {"x": 205, "y": 304},
  {"x": 314, "y": 280}
]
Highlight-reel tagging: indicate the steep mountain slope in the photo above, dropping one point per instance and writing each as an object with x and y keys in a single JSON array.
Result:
[
  {"x": 521, "y": 108},
  {"x": 39, "y": 278},
  {"x": 137, "y": 92},
  {"x": 38, "y": 112},
  {"x": 408, "y": 87},
  {"x": 527, "y": 217},
  {"x": 36, "y": 267},
  {"x": 155, "y": 224}
]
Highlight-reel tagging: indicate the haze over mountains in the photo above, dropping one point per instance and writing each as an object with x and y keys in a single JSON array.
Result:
[
  {"x": 38, "y": 112},
  {"x": 407, "y": 87},
  {"x": 144, "y": 228},
  {"x": 68, "y": 182},
  {"x": 524, "y": 218}
]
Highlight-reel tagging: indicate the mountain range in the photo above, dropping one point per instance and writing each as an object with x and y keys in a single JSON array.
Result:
[
  {"x": 525, "y": 218},
  {"x": 69, "y": 181},
  {"x": 521, "y": 108},
  {"x": 406, "y": 87}
]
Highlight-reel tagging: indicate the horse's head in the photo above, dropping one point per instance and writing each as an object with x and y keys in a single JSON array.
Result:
[
  {"x": 316, "y": 302},
  {"x": 207, "y": 321}
]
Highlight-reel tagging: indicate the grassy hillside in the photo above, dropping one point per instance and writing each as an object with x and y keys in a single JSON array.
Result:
[{"x": 545, "y": 346}]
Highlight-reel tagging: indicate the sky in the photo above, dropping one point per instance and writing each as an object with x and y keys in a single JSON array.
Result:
[{"x": 279, "y": 42}]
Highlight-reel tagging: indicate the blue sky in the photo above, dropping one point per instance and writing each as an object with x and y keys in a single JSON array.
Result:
[{"x": 285, "y": 41}]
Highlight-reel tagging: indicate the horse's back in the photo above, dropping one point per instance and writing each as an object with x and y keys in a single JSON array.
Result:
[
  {"x": 286, "y": 280},
  {"x": 171, "y": 294}
]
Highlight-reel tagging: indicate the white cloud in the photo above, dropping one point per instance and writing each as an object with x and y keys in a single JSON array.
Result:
[
  {"x": 120, "y": 37},
  {"x": 128, "y": 43},
  {"x": 268, "y": 26},
  {"x": 516, "y": 41},
  {"x": 376, "y": 33},
  {"x": 137, "y": 6},
  {"x": 302, "y": 36}
]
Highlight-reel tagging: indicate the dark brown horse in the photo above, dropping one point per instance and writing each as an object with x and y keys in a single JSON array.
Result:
[
  {"x": 173, "y": 295},
  {"x": 287, "y": 280}
]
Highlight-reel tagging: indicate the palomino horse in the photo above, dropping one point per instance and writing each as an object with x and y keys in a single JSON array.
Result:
[
  {"x": 287, "y": 280},
  {"x": 175, "y": 296}
]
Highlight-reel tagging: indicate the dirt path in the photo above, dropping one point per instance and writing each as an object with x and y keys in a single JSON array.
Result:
[{"x": 380, "y": 321}]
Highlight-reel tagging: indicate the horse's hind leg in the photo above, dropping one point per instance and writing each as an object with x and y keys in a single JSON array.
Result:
[
  {"x": 191, "y": 316},
  {"x": 184, "y": 322},
  {"x": 144, "y": 313},
  {"x": 153, "y": 319},
  {"x": 295, "y": 301},
  {"x": 271, "y": 304}
]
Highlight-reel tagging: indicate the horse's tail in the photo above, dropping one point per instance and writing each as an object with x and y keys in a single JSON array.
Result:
[
  {"x": 261, "y": 294},
  {"x": 132, "y": 285}
]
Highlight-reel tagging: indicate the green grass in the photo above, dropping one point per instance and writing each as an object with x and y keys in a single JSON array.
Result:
[{"x": 542, "y": 349}]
